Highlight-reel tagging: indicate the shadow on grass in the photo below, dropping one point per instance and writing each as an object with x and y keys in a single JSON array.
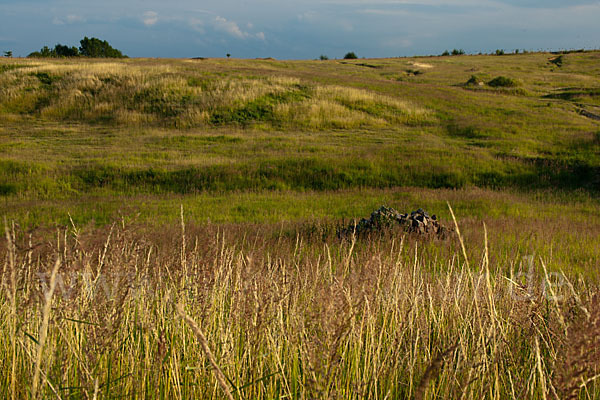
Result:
[{"x": 319, "y": 175}]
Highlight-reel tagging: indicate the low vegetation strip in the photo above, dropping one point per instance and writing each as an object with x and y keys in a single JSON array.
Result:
[{"x": 283, "y": 174}]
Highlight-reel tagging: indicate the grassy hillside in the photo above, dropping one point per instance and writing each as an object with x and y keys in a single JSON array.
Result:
[
  {"x": 153, "y": 127},
  {"x": 174, "y": 229}
]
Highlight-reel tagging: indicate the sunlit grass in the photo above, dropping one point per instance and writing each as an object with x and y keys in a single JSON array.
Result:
[
  {"x": 282, "y": 313},
  {"x": 126, "y": 93},
  {"x": 267, "y": 159}
]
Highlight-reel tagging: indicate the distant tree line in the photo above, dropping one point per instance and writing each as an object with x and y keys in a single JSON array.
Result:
[{"x": 89, "y": 47}]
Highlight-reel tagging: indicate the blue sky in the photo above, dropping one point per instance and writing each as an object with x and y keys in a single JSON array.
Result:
[{"x": 300, "y": 29}]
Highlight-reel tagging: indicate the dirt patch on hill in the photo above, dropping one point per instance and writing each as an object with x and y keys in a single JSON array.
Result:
[{"x": 421, "y": 65}]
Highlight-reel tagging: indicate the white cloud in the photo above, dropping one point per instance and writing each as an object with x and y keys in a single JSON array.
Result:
[
  {"x": 72, "y": 18},
  {"x": 383, "y": 12},
  {"x": 230, "y": 27},
  {"x": 383, "y": 3},
  {"x": 346, "y": 26},
  {"x": 69, "y": 19},
  {"x": 150, "y": 18},
  {"x": 196, "y": 24},
  {"x": 309, "y": 17},
  {"x": 307, "y": 28},
  {"x": 200, "y": 11}
]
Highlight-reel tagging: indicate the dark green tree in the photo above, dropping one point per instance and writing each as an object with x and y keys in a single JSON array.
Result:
[
  {"x": 44, "y": 52},
  {"x": 8, "y": 54},
  {"x": 350, "y": 56},
  {"x": 66, "y": 51},
  {"x": 90, "y": 47},
  {"x": 94, "y": 47},
  {"x": 59, "y": 50}
]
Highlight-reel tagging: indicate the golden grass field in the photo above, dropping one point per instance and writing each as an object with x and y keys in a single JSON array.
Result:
[{"x": 170, "y": 228}]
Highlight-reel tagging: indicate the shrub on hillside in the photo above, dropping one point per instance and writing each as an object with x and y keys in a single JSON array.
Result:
[
  {"x": 350, "y": 56},
  {"x": 502, "y": 81},
  {"x": 474, "y": 81},
  {"x": 44, "y": 52}
]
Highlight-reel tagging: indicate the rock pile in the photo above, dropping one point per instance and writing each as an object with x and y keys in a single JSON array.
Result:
[{"x": 386, "y": 219}]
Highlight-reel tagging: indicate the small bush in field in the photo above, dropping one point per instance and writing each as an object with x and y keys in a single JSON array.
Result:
[
  {"x": 474, "y": 81},
  {"x": 502, "y": 81}
]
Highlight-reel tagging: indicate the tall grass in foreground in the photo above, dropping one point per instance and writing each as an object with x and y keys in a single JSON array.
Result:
[{"x": 258, "y": 315}]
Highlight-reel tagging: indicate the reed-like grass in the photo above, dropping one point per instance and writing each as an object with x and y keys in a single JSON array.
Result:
[{"x": 272, "y": 316}]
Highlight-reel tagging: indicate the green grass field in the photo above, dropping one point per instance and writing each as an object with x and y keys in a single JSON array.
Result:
[{"x": 135, "y": 186}]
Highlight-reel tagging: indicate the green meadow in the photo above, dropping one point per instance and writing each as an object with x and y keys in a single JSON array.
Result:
[{"x": 184, "y": 215}]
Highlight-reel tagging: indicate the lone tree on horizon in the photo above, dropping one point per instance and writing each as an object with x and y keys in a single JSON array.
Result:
[{"x": 350, "y": 56}]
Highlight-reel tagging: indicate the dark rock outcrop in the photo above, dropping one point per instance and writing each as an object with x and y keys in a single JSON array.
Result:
[{"x": 387, "y": 219}]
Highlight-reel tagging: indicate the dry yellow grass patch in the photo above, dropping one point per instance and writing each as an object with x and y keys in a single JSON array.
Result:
[
  {"x": 130, "y": 92},
  {"x": 421, "y": 65}
]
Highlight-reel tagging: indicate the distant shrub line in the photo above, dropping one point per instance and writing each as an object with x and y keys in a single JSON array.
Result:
[{"x": 90, "y": 47}]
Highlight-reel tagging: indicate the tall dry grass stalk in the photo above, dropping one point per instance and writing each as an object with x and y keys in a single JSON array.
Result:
[
  {"x": 43, "y": 332},
  {"x": 207, "y": 352},
  {"x": 580, "y": 362},
  {"x": 432, "y": 371},
  {"x": 460, "y": 238},
  {"x": 12, "y": 295},
  {"x": 276, "y": 314}
]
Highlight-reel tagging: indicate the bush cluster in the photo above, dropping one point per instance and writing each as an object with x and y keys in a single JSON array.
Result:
[
  {"x": 455, "y": 52},
  {"x": 502, "y": 81},
  {"x": 89, "y": 47}
]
